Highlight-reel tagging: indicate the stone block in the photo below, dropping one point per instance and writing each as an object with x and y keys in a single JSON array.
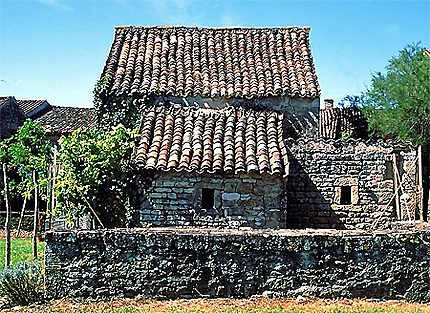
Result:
[
  {"x": 169, "y": 183},
  {"x": 172, "y": 195},
  {"x": 354, "y": 195},
  {"x": 230, "y": 196},
  {"x": 245, "y": 188},
  {"x": 162, "y": 189},
  {"x": 245, "y": 196}
]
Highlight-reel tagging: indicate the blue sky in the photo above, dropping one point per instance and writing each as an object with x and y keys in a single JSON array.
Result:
[{"x": 55, "y": 49}]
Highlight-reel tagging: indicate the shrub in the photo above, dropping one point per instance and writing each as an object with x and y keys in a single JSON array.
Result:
[
  {"x": 22, "y": 284},
  {"x": 97, "y": 175}
]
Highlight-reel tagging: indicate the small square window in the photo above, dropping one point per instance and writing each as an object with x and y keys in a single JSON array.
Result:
[
  {"x": 208, "y": 198},
  {"x": 345, "y": 195}
]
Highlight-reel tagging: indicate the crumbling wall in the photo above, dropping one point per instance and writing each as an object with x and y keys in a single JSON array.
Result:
[
  {"x": 320, "y": 170},
  {"x": 172, "y": 263},
  {"x": 240, "y": 200}
]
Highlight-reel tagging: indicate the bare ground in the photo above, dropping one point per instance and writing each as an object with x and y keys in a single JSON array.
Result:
[{"x": 255, "y": 304}]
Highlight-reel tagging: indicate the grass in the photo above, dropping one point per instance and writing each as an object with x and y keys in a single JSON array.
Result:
[{"x": 21, "y": 251}]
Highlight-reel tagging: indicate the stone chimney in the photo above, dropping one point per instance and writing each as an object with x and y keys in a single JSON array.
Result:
[{"x": 328, "y": 103}]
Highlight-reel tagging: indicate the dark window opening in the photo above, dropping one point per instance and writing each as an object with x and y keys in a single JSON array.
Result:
[
  {"x": 208, "y": 198},
  {"x": 389, "y": 172},
  {"x": 345, "y": 195}
]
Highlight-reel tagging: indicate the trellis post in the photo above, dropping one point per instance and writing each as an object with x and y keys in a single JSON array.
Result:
[
  {"x": 36, "y": 213},
  {"x": 7, "y": 223}
]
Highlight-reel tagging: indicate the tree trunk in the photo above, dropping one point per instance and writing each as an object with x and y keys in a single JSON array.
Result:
[{"x": 21, "y": 218}]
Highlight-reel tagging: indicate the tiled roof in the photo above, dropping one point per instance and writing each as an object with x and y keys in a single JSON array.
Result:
[
  {"x": 334, "y": 122},
  {"x": 426, "y": 52},
  {"x": 3, "y": 100},
  {"x": 212, "y": 62},
  {"x": 29, "y": 105},
  {"x": 235, "y": 140},
  {"x": 64, "y": 120}
]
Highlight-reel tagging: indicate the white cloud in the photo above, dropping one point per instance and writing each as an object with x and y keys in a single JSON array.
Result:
[{"x": 56, "y": 4}]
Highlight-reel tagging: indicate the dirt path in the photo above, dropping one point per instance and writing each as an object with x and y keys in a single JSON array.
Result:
[{"x": 219, "y": 305}]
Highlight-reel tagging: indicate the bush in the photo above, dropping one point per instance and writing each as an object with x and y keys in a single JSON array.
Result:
[{"x": 22, "y": 284}]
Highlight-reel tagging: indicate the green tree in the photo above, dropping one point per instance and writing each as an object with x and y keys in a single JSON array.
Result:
[
  {"x": 27, "y": 151},
  {"x": 97, "y": 175},
  {"x": 397, "y": 103}
]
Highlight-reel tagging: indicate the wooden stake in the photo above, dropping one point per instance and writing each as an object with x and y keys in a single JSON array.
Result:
[
  {"x": 21, "y": 218},
  {"x": 49, "y": 197},
  {"x": 54, "y": 181},
  {"x": 420, "y": 183},
  {"x": 7, "y": 223},
  {"x": 36, "y": 213},
  {"x": 396, "y": 184}
]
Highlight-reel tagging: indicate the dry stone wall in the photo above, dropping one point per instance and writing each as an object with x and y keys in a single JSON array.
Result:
[
  {"x": 239, "y": 201},
  {"x": 191, "y": 263},
  {"x": 11, "y": 117},
  {"x": 322, "y": 170}
]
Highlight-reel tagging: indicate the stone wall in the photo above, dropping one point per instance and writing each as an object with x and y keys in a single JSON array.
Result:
[
  {"x": 320, "y": 170},
  {"x": 195, "y": 263},
  {"x": 11, "y": 117},
  {"x": 241, "y": 200},
  {"x": 287, "y": 104}
]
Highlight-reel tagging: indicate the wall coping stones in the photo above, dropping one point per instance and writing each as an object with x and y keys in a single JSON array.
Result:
[
  {"x": 195, "y": 231},
  {"x": 383, "y": 143}
]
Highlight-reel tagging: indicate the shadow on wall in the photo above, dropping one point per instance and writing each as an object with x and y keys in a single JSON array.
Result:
[{"x": 307, "y": 206}]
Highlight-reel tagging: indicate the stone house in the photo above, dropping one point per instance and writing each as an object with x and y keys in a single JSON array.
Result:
[
  {"x": 11, "y": 117},
  {"x": 56, "y": 120},
  {"x": 231, "y": 135},
  {"x": 62, "y": 120}
]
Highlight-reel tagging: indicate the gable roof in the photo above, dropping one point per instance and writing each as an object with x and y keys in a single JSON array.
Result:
[
  {"x": 64, "y": 120},
  {"x": 30, "y": 105},
  {"x": 212, "y": 62},
  {"x": 234, "y": 140},
  {"x": 3, "y": 100}
]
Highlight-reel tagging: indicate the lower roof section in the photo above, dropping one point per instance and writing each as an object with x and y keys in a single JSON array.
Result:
[{"x": 231, "y": 140}]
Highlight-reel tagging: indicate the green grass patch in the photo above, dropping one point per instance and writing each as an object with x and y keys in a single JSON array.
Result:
[{"x": 21, "y": 251}]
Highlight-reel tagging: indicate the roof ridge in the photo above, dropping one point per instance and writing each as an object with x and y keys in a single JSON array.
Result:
[
  {"x": 32, "y": 100},
  {"x": 71, "y": 107},
  {"x": 210, "y": 27}
]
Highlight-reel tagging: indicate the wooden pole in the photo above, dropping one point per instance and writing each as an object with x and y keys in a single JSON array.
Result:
[
  {"x": 49, "y": 196},
  {"x": 7, "y": 223},
  {"x": 22, "y": 216},
  {"x": 420, "y": 183},
  {"x": 54, "y": 181},
  {"x": 396, "y": 185},
  {"x": 36, "y": 213}
]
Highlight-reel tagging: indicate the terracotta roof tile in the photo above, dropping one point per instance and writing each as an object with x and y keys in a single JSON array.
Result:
[
  {"x": 212, "y": 62},
  {"x": 200, "y": 140},
  {"x": 333, "y": 122}
]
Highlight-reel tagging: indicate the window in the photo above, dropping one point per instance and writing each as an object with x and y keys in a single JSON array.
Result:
[
  {"x": 345, "y": 195},
  {"x": 208, "y": 198}
]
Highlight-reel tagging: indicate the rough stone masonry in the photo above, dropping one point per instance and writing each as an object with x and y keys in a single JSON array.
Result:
[
  {"x": 239, "y": 201},
  {"x": 172, "y": 263}
]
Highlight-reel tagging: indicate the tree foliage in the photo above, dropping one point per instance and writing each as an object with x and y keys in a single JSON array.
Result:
[
  {"x": 97, "y": 175},
  {"x": 397, "y": 104},
  {"x": 27, "y": 151}
]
